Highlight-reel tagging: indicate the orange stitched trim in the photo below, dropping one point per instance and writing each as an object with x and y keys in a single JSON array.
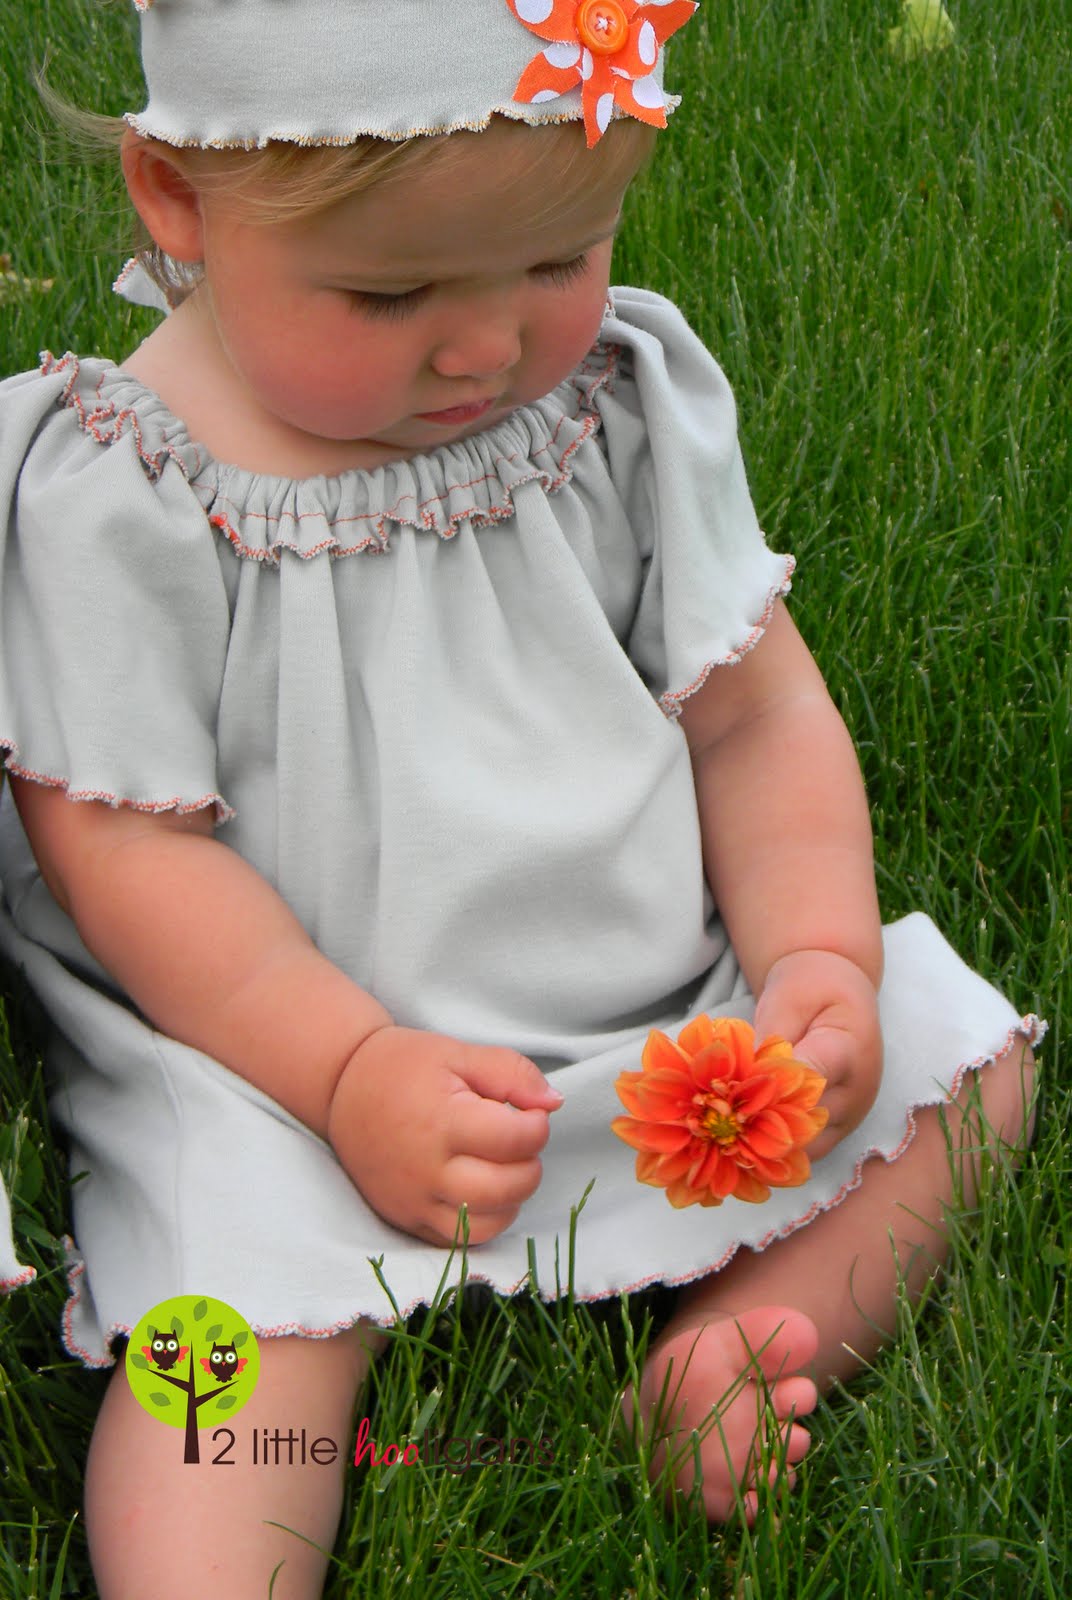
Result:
[
  {"x": 670, "y": 701},
  {"x": 376, "y": 542},
  {"x": 27, "y": 1275},
  {"x": 106, "y": 424},
  {"x": 75, "y": 1272},
  {"x": 126, "y": 271},
  {"x": 224, "y": 812}
]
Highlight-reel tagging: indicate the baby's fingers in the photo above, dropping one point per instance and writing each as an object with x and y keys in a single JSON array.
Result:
[
  {"x": 486, "y": 1186},
  {"x": 444, "y": 1227},
  {"x": 832, "y": 1051},
  {"x": 495, "y": 1131},
  {"x": 506, "y": 1076},
  {"x": 492, "y": 1194}
]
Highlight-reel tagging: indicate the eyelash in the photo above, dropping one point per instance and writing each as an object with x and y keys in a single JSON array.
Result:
[
  {"x": 561, "y": 273},
  {"x": 393, "y": 307}
]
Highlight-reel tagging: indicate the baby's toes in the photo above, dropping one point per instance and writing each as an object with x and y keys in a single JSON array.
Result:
[
  {"x": 797, "y": 1444},
  {"x": 775, "y": 1458},
  {"x": 793, "y": 1397}
]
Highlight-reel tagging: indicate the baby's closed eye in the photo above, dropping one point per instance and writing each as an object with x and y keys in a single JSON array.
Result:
[{"x": 378, "y": 303}]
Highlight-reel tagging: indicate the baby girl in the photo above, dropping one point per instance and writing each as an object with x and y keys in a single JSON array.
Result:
[{"x": 403, "y": 719}]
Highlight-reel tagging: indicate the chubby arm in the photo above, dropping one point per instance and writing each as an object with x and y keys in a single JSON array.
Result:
[
  {"x": 788, "y": 853},
  {"x": 201, "y": 943},
  {"x": 213, "y": 956}
]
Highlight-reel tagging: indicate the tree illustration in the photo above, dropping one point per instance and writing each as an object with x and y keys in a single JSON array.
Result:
[{"x": 229, "y": 1384}]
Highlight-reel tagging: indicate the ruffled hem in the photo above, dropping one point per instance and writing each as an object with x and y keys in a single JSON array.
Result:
[
  {"x": 671, "y": 700},
  {"x": 1030, "y": 1027},
  {"x": 472, "y": 481},
  {"x": 9, "y": 760},
  {"x": 19, "y": 1281}
]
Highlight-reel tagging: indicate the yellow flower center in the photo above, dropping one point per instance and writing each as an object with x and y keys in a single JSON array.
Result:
[{"x": 718, "y": 1121}]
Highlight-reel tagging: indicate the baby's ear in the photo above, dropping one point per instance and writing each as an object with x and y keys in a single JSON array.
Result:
[{"x": 164, "y": 197}]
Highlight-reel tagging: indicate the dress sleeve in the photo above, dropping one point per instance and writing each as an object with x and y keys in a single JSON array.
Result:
[
  {"x": 670, "y": 429},
  {"x": 114, "y": 619}
]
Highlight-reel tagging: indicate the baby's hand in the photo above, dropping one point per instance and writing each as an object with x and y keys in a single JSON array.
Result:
[
  {"x": 423, "y": 1123},
  {"x": 828, "y": 1010}
]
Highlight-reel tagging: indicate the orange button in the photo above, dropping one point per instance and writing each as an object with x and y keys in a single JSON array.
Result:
[{"x": 602, "y": 25}]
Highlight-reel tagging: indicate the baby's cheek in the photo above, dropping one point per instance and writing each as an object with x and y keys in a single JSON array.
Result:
[
  {"x": 329, "y": 388},
  {"x": 574, "y": 334}
]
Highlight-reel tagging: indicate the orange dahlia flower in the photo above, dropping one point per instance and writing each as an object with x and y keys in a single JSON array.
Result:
[
  {"x": 606, "y": 48},
  {"x": 716, "y": 1115}
]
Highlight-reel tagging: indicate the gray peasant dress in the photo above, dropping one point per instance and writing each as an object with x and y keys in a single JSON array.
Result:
[{"x": 434, "y": 705}]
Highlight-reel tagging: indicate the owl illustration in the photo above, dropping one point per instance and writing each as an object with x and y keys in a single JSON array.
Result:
[
  {"x": 224, "y": 1363},
  {"x": 164, "y": 1350}
]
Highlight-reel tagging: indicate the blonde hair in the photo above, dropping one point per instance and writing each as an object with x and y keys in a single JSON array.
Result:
[{"x": 285, "y": 182}]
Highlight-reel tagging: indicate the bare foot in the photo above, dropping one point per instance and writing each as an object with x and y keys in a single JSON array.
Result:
[{"x": 722, "y": 1378}]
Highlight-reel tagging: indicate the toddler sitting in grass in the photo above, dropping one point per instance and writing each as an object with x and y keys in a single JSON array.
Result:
[{"x": 404, "y": 719}]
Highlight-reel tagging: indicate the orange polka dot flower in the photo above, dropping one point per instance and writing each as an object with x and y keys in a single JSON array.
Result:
[
  {"x": 716, "y": 1114},
  {"x": 607, "y": 48}
]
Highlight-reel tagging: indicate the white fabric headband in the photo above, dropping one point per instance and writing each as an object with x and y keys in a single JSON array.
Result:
[{"x": 242, "y": 72}]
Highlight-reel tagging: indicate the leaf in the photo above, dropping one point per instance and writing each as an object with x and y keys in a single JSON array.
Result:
[
  {"x": 225, "y": 1402},
  {"x": 61, "y": 1562},
  {"x": 429, "y": 1408},
  {"x": 136, "y": 1359},
  {"x": 160, "y": 1400},
  {"x": 200, "y": 1310},
  {"x": 31, "y": 1176},
  {"x": 32, "y": 1229},
  {"x": 927, "y": 26},
  {"x": 239, "y": 1339},
  {"x": 213, "y": 1332},
  {"x": 176, "y": 1326},
  {"x": 18, "y": 1154}
]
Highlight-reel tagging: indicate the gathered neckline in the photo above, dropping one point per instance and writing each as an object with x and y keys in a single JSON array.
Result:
[{"x": 472, "y": 480}]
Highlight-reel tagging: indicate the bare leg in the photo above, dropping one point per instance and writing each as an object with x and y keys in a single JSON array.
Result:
[
  {"x": 163, "y": 1529},
  {"x": 822, "y": 1301}
]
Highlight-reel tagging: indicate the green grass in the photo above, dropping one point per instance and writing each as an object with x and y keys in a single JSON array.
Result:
[{"x": 881, "y": 255}]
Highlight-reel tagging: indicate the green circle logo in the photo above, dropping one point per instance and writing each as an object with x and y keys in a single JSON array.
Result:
[{"x": 192, "y": 1362}]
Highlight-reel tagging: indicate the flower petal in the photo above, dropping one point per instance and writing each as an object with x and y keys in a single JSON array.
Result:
[
  {"x": 654, "y": 1097},
  {"x": 671, "y": 1088},
  {"x": 750, "y": 1188},
  {"x": 784, "y": 1172},
  {"x": 804, "y": 1125},
  {"x": 725, "y": 1176},
  {"x": 812, "y": 1088},
  {"x": 757, "y": 1092},
  {"x": 768, "y": 1136},
  {"x": 695, "y": 1035},
  {"x": 773, "y": 1048},
  {"x": 661, "y": 1054},
  {"x": 542, "y": 81},
  {"x": 665, "y": 1137},
  {"x": 667, "y": 19},
  {"x": 685, "y": 1194},
  {"x": 547, "y": 19}
]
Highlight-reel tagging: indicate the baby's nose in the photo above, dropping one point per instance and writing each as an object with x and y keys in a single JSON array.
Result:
[{"x": 481, "y": 347}]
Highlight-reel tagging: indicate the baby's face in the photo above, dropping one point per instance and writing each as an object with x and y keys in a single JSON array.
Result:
[{"x": 416, "y": 313}]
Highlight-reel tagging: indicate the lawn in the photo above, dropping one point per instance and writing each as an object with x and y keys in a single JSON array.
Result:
[{"x": 879, "y": 251}]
